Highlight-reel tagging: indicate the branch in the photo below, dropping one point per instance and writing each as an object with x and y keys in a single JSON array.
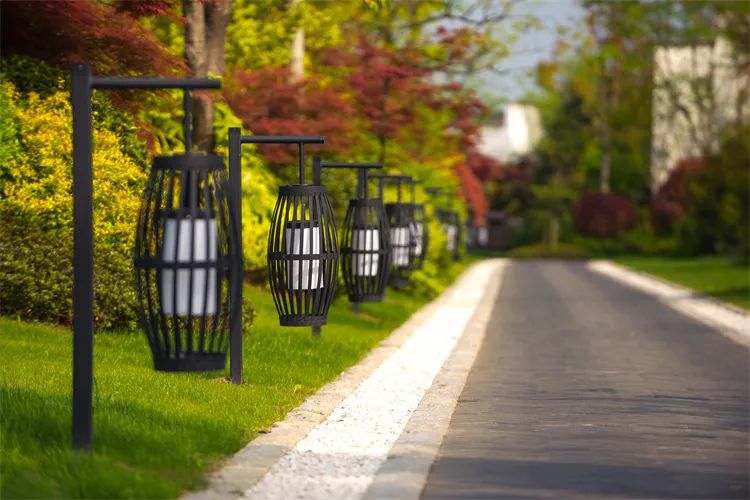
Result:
[{"x": 466, "y": 17}]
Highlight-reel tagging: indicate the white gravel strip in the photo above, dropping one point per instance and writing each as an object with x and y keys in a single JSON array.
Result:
[
  {"x": 339, "y": 458},
  {"x": 732, "y": 322},
  {"x": 405, "y": 471}
]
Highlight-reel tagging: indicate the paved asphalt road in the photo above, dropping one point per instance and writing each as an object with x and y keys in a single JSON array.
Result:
[{"x": 587, "y": 389}]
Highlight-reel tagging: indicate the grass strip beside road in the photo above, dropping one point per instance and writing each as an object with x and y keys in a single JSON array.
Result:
[
  {"x": 717, "y": 276},
  {"x": 157, "y": 434}
]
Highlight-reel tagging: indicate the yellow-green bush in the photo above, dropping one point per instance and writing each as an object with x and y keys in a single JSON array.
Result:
[
  {"x": 259, "y": 191},
  {"x": 36, "y": 213}
]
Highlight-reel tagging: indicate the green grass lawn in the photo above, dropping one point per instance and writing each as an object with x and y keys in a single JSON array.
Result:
[
  {"x": 717, "y": 276},
  {"x": 157, "y": 434}
]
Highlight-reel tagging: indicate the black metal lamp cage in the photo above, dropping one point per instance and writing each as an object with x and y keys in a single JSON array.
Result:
[
  {"x": 451, "y": 225},
  {"x": 420, "y": 231},
  {"x": 185, "y": 259},
  {"x": 453, "y": 232},
  {"x": 402, "y": 232},
  {"x": 302, "y": 248},
  {"x": 365, "y": 239}
]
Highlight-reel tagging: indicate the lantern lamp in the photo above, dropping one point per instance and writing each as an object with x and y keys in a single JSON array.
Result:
[
  {"x": 403, "y": 238},
  {"x": 451, "y": 224},
  {"x": 420, "y": 231},
  {"x": 366, "y": 239},
  {"x": 184, "y": 247},
  {"x": 453, "y": 232},
  {"x": 302, "y": 243},
  {"x": 212, "y": 262}
]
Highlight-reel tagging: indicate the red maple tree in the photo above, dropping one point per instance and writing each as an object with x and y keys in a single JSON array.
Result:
[
  {"x": 63, "y": 32},
  {"x": 269, "y": 102}
]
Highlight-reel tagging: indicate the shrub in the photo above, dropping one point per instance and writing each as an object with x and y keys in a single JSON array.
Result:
[
  {"x": 717, "y": 212},
  {"x": 439, "y": 269},
  {"x": 604, "y": 214},
  {"x": 664, "y": 214},
  {"x": 36, "y": 215},
  {"x": 33, "y": 75},
  {"x": 637, "y": 241},
  {"x": 530, "y": 229},
  {"x": 545, "y": 251},
  {"x": 667, "y": 206}
]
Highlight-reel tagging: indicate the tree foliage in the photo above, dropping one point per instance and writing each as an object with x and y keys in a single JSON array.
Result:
[
  {"x": 381, "y": 83},
  {"x": 595, "y": 99},
  {"x": 63, "y": 32},
  {"x": 36, "y": 219}
]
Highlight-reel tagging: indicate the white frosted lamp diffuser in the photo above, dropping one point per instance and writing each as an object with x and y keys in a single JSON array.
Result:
[
  {"x": 193, "y": 285},
  {"x": 300, "y": 243}
]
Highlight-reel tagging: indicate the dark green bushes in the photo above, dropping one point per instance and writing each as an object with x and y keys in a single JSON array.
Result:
[
  {"x": 717, "y": 218},
  {"x": 36, "y": 211}
]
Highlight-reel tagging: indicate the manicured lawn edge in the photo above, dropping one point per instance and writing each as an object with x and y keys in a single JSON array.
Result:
[{"x": 716, "y": 276}]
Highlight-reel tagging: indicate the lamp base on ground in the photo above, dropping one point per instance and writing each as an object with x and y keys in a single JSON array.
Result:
[
  {"x": 358, "y": 299},
  {"x": 192, "y": 362},
  {"x": 296, "y": 320},
  {"x": 398, "y": 281}
]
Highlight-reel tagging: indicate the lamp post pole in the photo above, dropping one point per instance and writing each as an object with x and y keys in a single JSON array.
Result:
[
  {"x": 235, "y": 199},
  {"x": 82, "y": 83}
]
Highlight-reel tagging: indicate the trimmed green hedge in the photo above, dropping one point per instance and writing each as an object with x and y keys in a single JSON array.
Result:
[{"x": 36, "y": 220}]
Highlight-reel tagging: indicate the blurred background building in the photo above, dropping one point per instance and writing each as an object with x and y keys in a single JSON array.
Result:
[
  {"x": 696, "y": 90},
  {"x": 513, "y": 134}
]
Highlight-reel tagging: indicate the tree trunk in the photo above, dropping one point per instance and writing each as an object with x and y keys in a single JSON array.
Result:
[
  {"x": 604, "y": 171},
  {"x": 205, "y": 34},
  {"x": 297, "y": 60},
  {"x": 383, "y": 141},
  {"x": 297, "y": 63}
]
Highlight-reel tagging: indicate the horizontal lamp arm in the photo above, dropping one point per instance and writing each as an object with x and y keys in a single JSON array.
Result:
[
  {"x": 393, "y": 178},
  {"x": 334, "y": 164},
  {"x": 398, "y": 179},
  {"x": 124, "y": 82},
  {"x": 299, "y": 140},
  {"x": 282, "y": 139},
  {"x": 319, "y": 165}
]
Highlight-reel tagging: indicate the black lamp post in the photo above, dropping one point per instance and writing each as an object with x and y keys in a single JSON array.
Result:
[
  {"x": 402, "y": 229},
  {"x": 302, "y": 241},
  {"x": 420, "y": 231},
  {"x": 82, "y": 84},
  {"x": 366, "y": 242}
]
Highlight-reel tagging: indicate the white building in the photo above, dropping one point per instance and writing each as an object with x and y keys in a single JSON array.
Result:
[
  {"x": 695, "y": 96},
  {"x": 515, "y": 136}
]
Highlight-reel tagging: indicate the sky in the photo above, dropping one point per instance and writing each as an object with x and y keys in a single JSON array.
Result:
[{"x": 532, "y": 47}]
